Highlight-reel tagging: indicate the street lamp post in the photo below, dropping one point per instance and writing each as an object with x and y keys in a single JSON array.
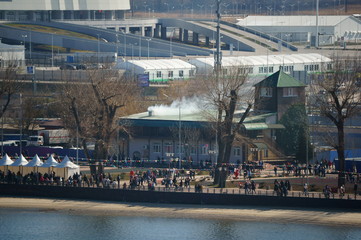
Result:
[
  {"x": 98, "y": 50},
  {"x": 2, "y": 131},
  {"x": 117, "y": 44},
  {"x": 170, "y": 45},
  {"x": 140, "y": 44},
  {"x": 148, "y": 40},
  {"x": 132, "y": 46},
  {"x": 30, "y": 44},
  {"x": 125, "y": 44},
  {"x": 24, "y": 36},
  {"x": 52, "y": 49},
  {"x": 21, "y": 125},
  {"x": 180, "y": 135}
]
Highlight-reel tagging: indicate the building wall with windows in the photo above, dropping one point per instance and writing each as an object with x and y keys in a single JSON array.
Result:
[
  {"x": 277, "y": 93},
  {"x": 12, "y": 55},
  {"x": 159, "y": 70},
  {"x": 302, "y": 28},
  {"x": 265, "y": 65},
  {"x": 44, "y": 10}
]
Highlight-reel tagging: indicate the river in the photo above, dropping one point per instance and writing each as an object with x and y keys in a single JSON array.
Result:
[{"x": 41, "y": 224}]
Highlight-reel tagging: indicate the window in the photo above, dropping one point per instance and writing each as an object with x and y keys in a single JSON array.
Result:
[
  {"x": 168, "y": 147},
  {"x": 250, "y": 70},
  {"x": 204, "y": 149},
  {"x": 156, "y": 148},
  {"x": 289, "y": 92},
  {"x": 260, "y": 69},
  {"x": 329, "y": 66},
  {"x": 191, "y": 73},
  {"x": 265, "y": 153},
  {"x": 181, "y": 73},
  {"x": 159, "y": 74},
  {"x": 266, "y": 92},
  {"x": 170, "y": 74},
  {"x": 270, "y": 69},
  {"x": 237, "y": 151}
]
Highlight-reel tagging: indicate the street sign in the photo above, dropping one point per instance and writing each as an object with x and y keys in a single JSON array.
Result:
[{"x": 30, "y": 69}]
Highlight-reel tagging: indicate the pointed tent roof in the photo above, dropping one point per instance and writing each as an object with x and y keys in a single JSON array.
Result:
[
  {"x": 35, "y": 162},
  {"x": 21, "y": 161},
  {"x": 6, "y": 161},
  {"x": 66, "y": 163},
  {"x": 280, "y": 79},
  {"x": 50, "y": 162}
]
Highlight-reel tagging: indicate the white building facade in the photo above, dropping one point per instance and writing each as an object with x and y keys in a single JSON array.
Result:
[
  {"x": 159, "y": 70},
  {"x": 303, "y": 28},
  {"x": 12, "y": 55},
  {"x": 45, "y": 10},
  {"x": 264, "y": 65}
]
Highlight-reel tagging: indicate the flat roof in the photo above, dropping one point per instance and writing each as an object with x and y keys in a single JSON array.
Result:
[
  {"x": 301, "y": 20},
  {"x": 263, "y": 60},
  {"x": 162, "y": 64}
]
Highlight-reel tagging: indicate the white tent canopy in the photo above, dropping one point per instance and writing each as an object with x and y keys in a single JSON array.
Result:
[
  {"x": 5, "y": 162},
  {"x": 35, "y": 162},
  {"x": 50, "y": 162},
  {"x": 66, "y": 168},
  {"x": 18, "y": 164},
  {"x": 21, "y": 161},
  {"x": 48, "y": 165},
  {"x": 33, "y": 165}
]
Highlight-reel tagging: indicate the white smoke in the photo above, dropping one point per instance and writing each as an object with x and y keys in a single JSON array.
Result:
[{"x": 185, "y": 105}]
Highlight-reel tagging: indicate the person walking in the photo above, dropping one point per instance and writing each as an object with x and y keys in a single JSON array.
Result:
[
  {"x": 275, "y": 170},
  {"x": 355, "y": 189},
  {"x": 305, "y": 189}
]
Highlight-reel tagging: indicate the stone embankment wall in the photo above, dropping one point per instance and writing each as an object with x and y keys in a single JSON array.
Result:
[{"x": 174, "y": 197}]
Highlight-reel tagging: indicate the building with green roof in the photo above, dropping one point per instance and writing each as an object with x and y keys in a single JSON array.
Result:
[
  {"x": 155, "y": 134},
  {"x": 277, "y": 92}
]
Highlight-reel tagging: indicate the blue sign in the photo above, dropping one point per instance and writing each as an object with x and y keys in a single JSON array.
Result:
[
  {"x": 30, "y": 70},
  {"x": 70, "y": 59},
  {"x": 143, "y": 80}
]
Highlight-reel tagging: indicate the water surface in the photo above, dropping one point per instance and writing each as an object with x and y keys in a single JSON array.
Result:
[{"x": 33, "y": 224}]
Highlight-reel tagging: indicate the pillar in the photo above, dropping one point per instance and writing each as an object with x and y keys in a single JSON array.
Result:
[
  {"x": 207, "y": 41},
  {"x": 186, "y": 35},
  {"x": 157, "y": 30},
  {"x": 195, "y": 38},
  {"x": 163, "y": 32},
  {"x": 16, "y": 16},
  {"x": 180, "y": 35}
]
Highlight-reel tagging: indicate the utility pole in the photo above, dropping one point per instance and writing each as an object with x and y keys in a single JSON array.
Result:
[
  {"x": 317, "y": 35},
  {"x": 218, "y": 57},
  {"x": 217, "y": 69}
]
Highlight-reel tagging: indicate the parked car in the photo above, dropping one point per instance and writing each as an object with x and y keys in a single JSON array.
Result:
[
  {"x": 68, "y": 67},
  {"x": 81, "y": 67}
]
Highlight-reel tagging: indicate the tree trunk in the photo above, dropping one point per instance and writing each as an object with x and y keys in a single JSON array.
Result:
[{"x": 341, "y": 153}]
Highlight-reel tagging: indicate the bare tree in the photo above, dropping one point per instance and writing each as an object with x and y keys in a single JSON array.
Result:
[
  {"x": 93, "y": 107},
  {"x": 337, "y": 95},
  {"x": 225, "y": 94},
  {"x": 9, "y": 85}
]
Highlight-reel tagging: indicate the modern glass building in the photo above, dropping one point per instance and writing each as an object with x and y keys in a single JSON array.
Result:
[{"x": 46, "y": 10}]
